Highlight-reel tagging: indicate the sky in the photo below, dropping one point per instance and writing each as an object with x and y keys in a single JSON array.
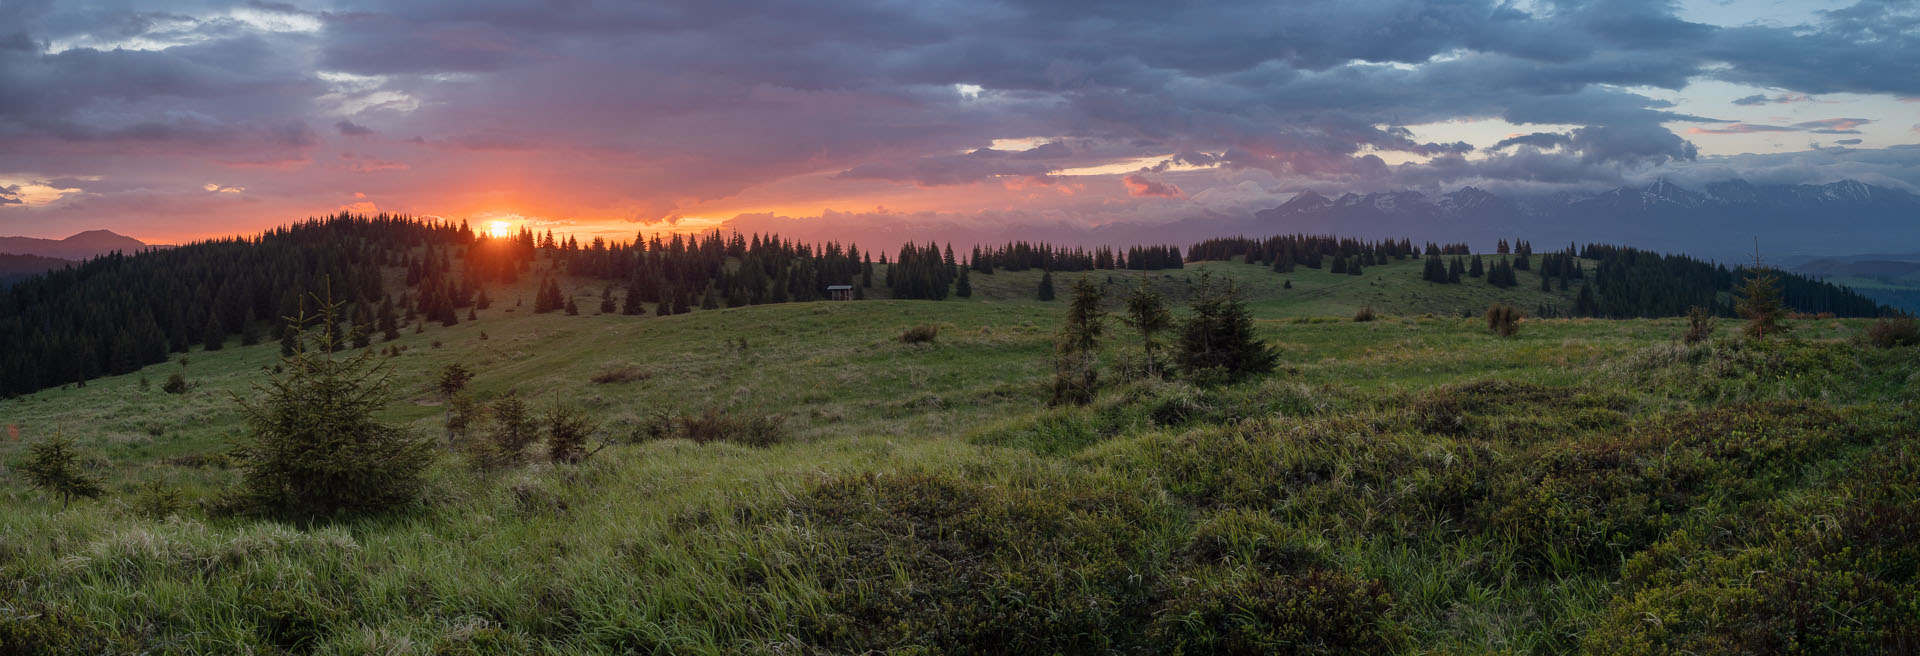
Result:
[{"x": 179, "y": 120}]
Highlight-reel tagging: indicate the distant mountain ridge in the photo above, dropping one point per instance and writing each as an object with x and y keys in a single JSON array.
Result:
[
  {"x": 89, "y": 244},
  {"x": 1718, "y": 221}
]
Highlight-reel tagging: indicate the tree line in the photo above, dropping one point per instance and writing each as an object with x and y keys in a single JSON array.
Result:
[
  {"x": 1629, "y": 282},
  {"x": 1283, "y": 253}
]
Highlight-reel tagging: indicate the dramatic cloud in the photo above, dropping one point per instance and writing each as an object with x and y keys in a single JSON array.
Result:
[{"x": 599, "y": 113}]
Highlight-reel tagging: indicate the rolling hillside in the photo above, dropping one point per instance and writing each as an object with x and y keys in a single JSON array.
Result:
[{"x": 1431, "y": 486}]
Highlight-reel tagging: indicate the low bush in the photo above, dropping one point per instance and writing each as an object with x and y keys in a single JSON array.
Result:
[
  {"x": 176, "y": 384},
  {"x": 1835, "y": 572},
  {"x": 1503, "y": 320},
  {"x": 1252, "y": 538},
  {"x": 716, "y": 425},
  {"x": 1893, "y": 332},
  {"x": 1257, "y": 612},
  {"x": 1365, "y": 314},
  {"x": 921, "y": 334},
  {"x": 624, "y": 374},
  {"x": 1586, "y": 507},
  {"x": 1700, "y": 325},
  {"x": 568, "y": 430},
  {"x": 948, "y": 565}
]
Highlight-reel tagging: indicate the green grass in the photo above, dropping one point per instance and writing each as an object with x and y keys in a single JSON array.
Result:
[{"x": 1412, "y": 484}]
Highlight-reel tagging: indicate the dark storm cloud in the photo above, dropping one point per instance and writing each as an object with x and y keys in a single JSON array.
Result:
[
  {"x": 1863, "y": 48},
  {"x": 351, "y": 128},
  {"x": 10, "y": 195}
]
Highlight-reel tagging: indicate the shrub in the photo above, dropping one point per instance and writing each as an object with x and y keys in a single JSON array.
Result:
[
  {"x": 716, "y": 425},
  {"x": 1700, "y": 325},
  {"x": 1365, "y": 314},
  {"x": 1256, "y": 612},
  {"x": 625, "y": 374},
  {"x": 1049, "y": 564},
  {"x": 1894, "y": 332},
  {"x": 1589, "y": 506},
  {"x": 54, "y": 466},
  {"x": 314, "y": 449},
  {"x": 1503, "y": 319},
  {"x": 157, "y": 501},
  {"x": 176, "y": 384},
  {"x": 567, "y": 433},
  {"x": 1827, "y": 573},
  {"x": 920, "y": 334},
  {"x": 1236, "y": 537}
]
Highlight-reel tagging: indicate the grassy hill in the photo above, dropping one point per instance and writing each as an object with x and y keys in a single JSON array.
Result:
[{"x": 1412, "y": 484}]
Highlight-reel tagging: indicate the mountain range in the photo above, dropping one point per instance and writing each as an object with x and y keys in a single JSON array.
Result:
[
  {"x": 92, "y": 243},
  {"x": 1719, "y": 221},
  {"x": 24, "y": 257}
]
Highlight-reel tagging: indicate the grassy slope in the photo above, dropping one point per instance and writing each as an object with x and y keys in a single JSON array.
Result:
[{"x": 668, "y": 544}]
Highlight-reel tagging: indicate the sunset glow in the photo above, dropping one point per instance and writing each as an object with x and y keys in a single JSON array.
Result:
[
  {"x": 602, "y": 119},
  {"x": 499, "y": 229}
]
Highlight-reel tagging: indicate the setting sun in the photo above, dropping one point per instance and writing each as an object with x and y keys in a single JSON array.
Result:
[{"x": 499, "y": 229}]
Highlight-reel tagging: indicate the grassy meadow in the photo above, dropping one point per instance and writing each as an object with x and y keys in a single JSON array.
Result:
[{"x": 1412, "y": 484}]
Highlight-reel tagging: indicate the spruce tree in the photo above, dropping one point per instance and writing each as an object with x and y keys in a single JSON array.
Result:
[
  {"x": 1217, "y": 340},
  {"x": 1076, "y": 356},
  {"x": 631, "y": 305},
  {"x": 314, "y": 450},
  {"x": 388, "y": 323},
  {"x": 1476, "y": 269},
  {"x": 1046, "y": 286},
  {"x": 1758, "y": 301},
  {"x": 606, "y": 300},
  {"x": 214, "y": 335},
  {"x": 1147, "y": 314},
  {"x": 963, "y": 288},
  {"x": 54, "y": 466}
]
